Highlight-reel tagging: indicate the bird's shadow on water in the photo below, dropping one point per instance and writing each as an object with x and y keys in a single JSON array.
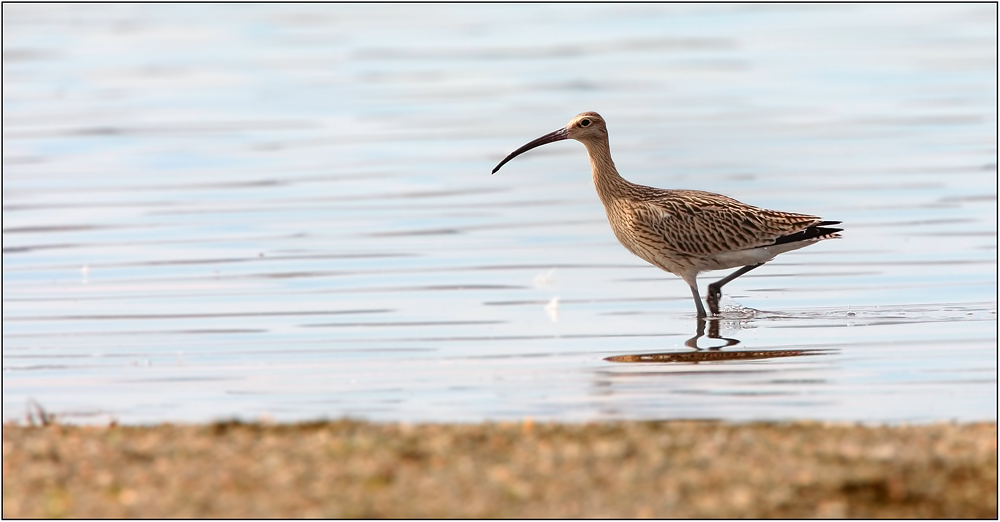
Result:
[{"x": 711, "y": 350}]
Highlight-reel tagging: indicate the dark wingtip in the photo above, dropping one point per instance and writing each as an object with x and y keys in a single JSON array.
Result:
[{"x": 815, "y": 232}]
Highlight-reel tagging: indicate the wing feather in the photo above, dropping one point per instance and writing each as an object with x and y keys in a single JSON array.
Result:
[{"x": 696, "y": 223}]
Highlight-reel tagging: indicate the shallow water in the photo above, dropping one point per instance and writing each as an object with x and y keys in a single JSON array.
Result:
[{"x": 287, "y": 212}]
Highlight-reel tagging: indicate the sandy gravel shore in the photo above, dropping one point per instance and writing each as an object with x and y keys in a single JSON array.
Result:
[{"x": 628, "y": 469}]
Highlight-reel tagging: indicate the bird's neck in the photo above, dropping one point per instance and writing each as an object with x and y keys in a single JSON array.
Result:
[{"x": 606, "y": 178}]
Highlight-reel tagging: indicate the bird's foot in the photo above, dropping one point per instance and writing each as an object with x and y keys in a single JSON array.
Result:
[{"x": 714, "y": 294}]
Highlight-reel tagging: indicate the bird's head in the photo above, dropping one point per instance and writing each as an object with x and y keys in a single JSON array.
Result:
[
  {"x": 583, "y": 127},
  {"x": 586, "y": 126}
]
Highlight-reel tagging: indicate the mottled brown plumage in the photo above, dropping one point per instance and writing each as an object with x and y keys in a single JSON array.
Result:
[{"x": 685, "y": 231}]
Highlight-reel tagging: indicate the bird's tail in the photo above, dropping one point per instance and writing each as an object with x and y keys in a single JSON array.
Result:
[{"x": 817, "y": 232}]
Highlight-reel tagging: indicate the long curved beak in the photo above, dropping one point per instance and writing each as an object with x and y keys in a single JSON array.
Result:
[{"x": 560, "y": 134}]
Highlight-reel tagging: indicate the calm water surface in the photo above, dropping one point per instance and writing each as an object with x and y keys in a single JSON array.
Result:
[{"x": 287, "y": 212}]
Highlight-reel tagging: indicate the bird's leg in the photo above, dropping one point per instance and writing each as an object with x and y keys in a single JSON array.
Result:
[
  {"x": 697, "y": 299},
  {"x": 715, "y": 289}
]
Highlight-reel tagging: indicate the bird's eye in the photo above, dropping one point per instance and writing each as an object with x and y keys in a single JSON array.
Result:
[{"x": 584, "y": 123}]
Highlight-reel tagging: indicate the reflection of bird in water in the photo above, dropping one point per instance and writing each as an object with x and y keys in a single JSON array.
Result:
[
  {"x": 714, "y": 353},
  {"x": 685, "y": 232},
  {"x": 711, "y": 356},
  {"x": 713, "y": 333}
]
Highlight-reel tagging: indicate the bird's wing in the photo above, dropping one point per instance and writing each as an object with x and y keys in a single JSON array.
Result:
[{"x": 701, "y": 223}]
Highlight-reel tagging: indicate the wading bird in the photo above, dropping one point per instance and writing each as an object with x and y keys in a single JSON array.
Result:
[{"x": 685, "y": 232}]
